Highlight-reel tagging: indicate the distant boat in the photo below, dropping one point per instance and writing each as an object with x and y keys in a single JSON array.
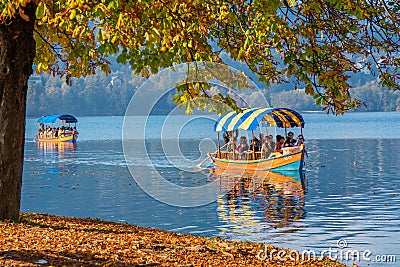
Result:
[
  {"x": 291, "y": 158},
  {"x": 64, "y": 133}
]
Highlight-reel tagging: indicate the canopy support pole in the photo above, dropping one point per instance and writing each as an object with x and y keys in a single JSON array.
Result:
[
  {"x": 301, "y": 130},
  {"x": 219, "y": 146},
  {"x": 285, "y": 133},
  {"x": 233, "y": 144},
  {"x": 254, "y": 145}
]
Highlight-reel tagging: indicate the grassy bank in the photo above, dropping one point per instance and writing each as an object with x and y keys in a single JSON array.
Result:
[{"x": 47, "y": 240}]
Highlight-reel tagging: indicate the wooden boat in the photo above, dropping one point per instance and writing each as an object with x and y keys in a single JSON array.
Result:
[
  {"x": 67, "y": 136},
  {"x": 57, "y": 146},
  {"x": 282, "y": 162},
  {"x": 291, "y": 159}
]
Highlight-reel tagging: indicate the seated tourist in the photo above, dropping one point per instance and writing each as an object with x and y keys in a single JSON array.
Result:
[
  {"x": 288, "y": 142},
  {"x": 256, "y": 144},
  {"x": 53, "y": 132},
  {"x": 61, "y": 133},
  {"x": 67, "y": 130},
  {"x": 232, "y": 144},
  {"x": 268, "y": 147},
  {"x": 40, "y": 133},
  {"x": 279, "y": 143},
  {"x": 291, "y": 137},
  {"x": 48, "y": 132},
  {"x": 243, "y": 146}
]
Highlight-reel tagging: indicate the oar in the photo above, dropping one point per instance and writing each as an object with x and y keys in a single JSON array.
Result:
[
  {"x": 224, "y": 145},
  {"x": 199, "y": 165}
]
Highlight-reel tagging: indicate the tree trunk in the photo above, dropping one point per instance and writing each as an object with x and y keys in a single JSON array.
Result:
[{"x": 17, "y": 51}]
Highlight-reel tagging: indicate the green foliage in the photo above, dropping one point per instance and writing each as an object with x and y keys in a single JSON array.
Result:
[{"x": 316, "y": 43}]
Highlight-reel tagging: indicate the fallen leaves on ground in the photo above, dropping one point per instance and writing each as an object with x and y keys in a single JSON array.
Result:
[{"x": 48, "y": 240}]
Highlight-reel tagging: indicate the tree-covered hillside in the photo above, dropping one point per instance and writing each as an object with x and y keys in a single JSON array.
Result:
[
  {"x": 374, "y": 97},
  {"x": 94, "y": 95},
  {"x": 109, "y": 95}
]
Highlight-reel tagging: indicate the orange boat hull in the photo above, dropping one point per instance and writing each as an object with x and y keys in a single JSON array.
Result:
[
  {"x": 290, "y": 162},
  {"x": 67, "y": 138}
]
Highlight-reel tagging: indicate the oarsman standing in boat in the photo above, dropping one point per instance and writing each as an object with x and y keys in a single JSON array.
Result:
[
  {"x": 74, "y": 131},
  {"x": 300, "y": 141}
]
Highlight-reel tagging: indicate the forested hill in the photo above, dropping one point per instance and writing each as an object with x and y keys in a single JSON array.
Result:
[{"x": 109, "y": 95}]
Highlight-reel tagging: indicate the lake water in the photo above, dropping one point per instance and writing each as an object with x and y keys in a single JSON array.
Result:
[{"x": 347, "y": 200}]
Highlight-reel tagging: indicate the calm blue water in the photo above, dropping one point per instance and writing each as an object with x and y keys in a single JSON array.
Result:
[{"x": 350, "y": 190}]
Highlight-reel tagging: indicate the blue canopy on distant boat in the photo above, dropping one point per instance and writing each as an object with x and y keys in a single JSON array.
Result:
[
  {"x": 250, "y": 119},
  {"x": 62, "y": 117}
]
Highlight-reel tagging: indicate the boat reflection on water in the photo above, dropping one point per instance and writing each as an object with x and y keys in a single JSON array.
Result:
[
  {"x": 58, "y": 158},
  {"x": 259, "y": 201},
  {"x": 61, "y": 148}
]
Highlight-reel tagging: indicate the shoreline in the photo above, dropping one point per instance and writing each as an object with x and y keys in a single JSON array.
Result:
[{"x": 49, "y": 240}]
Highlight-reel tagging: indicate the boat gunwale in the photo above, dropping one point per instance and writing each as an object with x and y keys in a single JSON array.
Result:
[
  {"x": 256, "y": 160},
  {"x": 68, "y": 138}
]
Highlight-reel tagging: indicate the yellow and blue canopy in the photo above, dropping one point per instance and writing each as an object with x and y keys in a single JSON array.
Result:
[{"x": 250, "y": 119}]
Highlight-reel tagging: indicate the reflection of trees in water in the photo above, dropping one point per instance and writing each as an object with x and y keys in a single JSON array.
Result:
[{"x": 253, "y": 204}]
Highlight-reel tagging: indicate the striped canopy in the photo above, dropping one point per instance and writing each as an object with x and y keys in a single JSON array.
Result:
[{"x": 251, "y": 118}]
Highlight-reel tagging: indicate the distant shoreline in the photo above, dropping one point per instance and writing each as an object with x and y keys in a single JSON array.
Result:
[{"x": 211, "y": 114}]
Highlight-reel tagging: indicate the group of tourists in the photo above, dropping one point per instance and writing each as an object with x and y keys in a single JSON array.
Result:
[
  {"x": 265, "y": 145},
  {"x": 55, "y": 132}
]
